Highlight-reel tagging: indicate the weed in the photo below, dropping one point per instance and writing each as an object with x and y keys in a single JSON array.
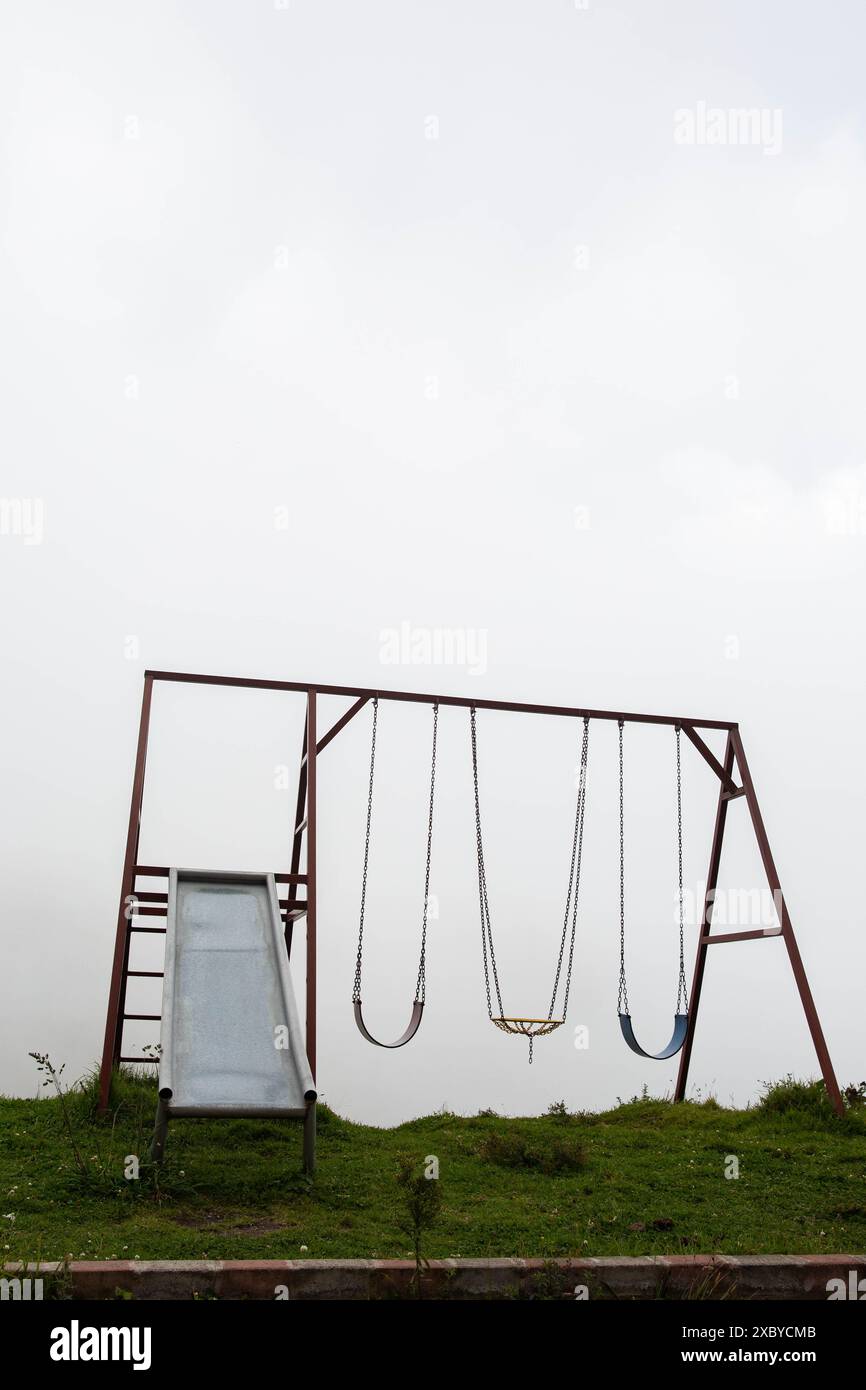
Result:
[
  {"x": 558, "y": 1110},
  {"x": 422, "y": 1206}
]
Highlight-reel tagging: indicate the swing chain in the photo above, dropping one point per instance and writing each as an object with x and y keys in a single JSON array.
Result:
[
  {"x": 622, "y": 1004},
  {"x": 421, "y": 986},
  {"x": 486, "y": 933},
  {"x": 682, "y": 990},
  {"x": 573, "y": 883},
  {"x": 356, "y": 991}
]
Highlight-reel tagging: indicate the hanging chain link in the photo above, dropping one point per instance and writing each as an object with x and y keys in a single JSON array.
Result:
[
  {"x": 622, "y": 1003},
  {"x": 356, "y": 991},
  {"x": 682, "y": 990},
  {"x": 421, "y": 984},
  {"x": 486, "y": 933},
  {"x": 573, "y": 882}
]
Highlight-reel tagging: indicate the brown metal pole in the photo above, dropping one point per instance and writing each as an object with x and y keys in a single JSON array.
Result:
[
  {"x": 296, "y": 838},
  {"x": 117, "y": 992},
  {"x": 312, "y": 893},
  {"x": 787, "y": 929},
  {"x": 706, "y": 922}
]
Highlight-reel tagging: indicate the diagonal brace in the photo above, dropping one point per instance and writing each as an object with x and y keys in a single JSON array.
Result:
[
  {"x": 342, "y": 722},
  {"x": 709, "y": 757}
]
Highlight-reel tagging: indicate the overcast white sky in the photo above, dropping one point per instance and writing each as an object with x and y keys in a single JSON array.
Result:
[{"x": 320, "y": 319}]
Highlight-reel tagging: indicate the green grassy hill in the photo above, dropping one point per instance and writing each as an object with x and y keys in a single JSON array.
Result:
[{"x": 645, "y": 1178}]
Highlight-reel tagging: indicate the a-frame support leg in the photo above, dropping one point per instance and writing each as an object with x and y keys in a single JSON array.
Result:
[
  {"x": 735, "y": 752},
  {"x": 297, "y": 837},
  {"x": 787, "y": 929},
  {"x": 312, "y": 890},
  {"x": 706, "y": 919}
]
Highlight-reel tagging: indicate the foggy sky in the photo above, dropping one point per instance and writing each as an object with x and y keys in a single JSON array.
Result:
[{"x": 327, "y": 323}]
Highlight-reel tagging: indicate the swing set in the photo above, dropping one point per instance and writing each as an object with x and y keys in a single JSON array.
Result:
[{"x": 734, "y": 782}]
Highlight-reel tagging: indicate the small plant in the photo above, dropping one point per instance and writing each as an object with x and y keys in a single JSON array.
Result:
[
  {"x": 643, "y": 1099},
  {"x": 422, "y": 1206},
  {"x": 713, "y": 1285},
  {"x": 78, "y": 1113},
  {"x": 52, "y": 1077},
  {"x": 558, "y": 1110},
  {"x": 854, "y": 1096}
]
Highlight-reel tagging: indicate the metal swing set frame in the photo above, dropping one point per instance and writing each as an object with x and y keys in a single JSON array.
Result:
[{"x": 137, "y": 907}]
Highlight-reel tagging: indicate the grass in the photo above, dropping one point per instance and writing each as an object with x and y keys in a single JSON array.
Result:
[{"x": 644, "y": 1178}]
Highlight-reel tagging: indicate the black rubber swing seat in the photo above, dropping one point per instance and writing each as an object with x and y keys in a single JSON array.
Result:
[
  {"x": 681, "y": 1024},
  {"x": 414, "y": 1024}
]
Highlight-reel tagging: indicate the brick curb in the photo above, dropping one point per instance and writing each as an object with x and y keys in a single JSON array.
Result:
[{"x": 628, "y": 1277}]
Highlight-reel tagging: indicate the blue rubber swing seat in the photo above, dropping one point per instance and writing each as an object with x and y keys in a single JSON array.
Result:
[
  {"x": 681, "y": 1025},
  {"x": 681, "y": 1015}
]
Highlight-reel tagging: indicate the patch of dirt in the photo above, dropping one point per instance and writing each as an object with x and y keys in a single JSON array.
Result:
[
  {"x": 212, "y": 1220},
  {"x": 198, "y": 1220},
  {"x": 258, "y": 1228}
]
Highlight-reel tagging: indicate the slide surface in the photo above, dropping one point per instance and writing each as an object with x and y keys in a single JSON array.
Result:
[{"x": 231, "y": 1038}]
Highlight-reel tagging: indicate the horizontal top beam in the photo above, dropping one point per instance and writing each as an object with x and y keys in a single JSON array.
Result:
[{"x": 461, "y": 701}]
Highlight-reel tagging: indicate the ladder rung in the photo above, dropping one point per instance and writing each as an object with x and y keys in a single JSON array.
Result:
[
  {"x": 147, "y": 974},
  {"x": 148, "y": 1018},
  {"x": 157, "y": 930},
  {"x": 149, "y": 912},
  {"x": 151, "y": 1061},
  {"x": 732, "y": 796},
  {"x": 294, "y": 914}
]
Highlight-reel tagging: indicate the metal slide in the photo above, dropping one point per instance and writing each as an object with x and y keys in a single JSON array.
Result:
[{"x": 231, "y": 1040}]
